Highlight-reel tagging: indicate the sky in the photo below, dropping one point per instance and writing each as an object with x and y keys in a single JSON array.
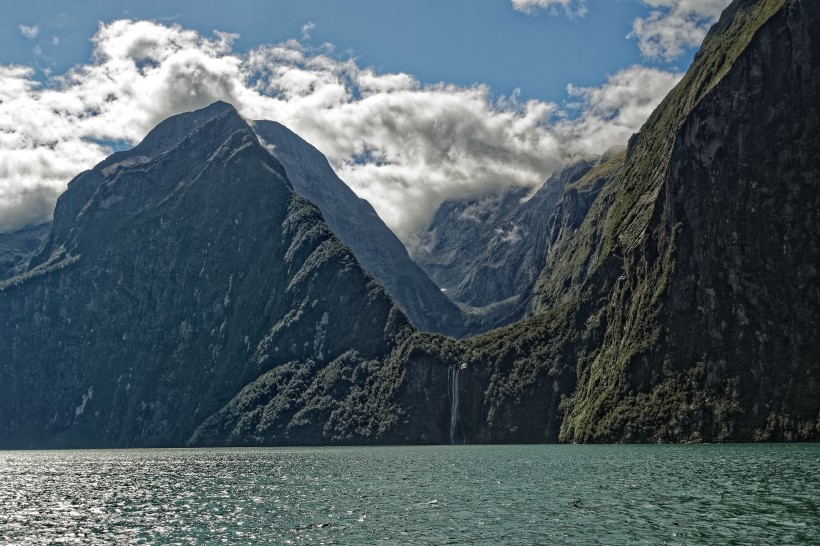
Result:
[{"x": 413, "y": 102}]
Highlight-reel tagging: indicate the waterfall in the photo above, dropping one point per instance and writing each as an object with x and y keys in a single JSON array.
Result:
[{"x": 453, "y": 402}]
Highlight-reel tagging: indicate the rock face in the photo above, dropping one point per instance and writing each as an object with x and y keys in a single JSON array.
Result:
[
  {"x": 711, "y": 317},
  {"x": 356, "y": 223},
  {"x": 175, "y": 275},
  {"x": 488, "y": 250},
  {"x": 18, "y": 247},
  {"x": 186, "y": 295},
  {"x": 457, "y": 241},
  {"x": 680, "y": 298}
]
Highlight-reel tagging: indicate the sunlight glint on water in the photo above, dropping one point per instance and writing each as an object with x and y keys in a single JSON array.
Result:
[{"x": 755, "y": 494}]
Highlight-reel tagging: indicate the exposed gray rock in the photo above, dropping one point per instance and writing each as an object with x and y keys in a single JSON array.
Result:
[
  {"x": 487, "y": 250},
  {"x": 17, "y": 247},
  {"x": 356, "y": 223}
]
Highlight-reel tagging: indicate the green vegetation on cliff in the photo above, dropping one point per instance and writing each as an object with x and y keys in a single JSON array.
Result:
[
  {"x": 186, "y": 295},
  {"x": 680, "y": 293}
]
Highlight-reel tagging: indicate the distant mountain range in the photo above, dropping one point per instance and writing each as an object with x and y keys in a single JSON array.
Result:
[
  {"x": 219, "y": 285},
  {"x": 490, "y": 249}
]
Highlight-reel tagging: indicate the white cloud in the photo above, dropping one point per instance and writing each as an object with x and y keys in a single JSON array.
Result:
[
  {"x": 306, "y": 28},
  {"x": 570, "y": 7},
  {"x": 29, "y": 32},
  {"x": 400, "y": 144},
  {"x": 612, "y": 112},
  {"x": 674, "y": 25},
  {"x": 665, "y": 32}
]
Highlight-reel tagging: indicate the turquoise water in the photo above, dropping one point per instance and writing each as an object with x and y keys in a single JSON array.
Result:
[{"x": 714, "y": 494}]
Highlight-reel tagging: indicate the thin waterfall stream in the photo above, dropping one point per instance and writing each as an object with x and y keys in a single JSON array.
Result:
[{"x": 454, "y": 402}]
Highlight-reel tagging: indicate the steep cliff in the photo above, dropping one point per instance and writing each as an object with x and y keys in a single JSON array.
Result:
[
  {"x": 680, "y": 298},
  {"x": 710, "y": 322}
]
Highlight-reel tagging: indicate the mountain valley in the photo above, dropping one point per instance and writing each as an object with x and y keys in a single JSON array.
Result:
[{"x": 219, "y": 285}]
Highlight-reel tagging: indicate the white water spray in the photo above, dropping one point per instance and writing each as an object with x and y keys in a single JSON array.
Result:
[{"x": 453, "y": 402}]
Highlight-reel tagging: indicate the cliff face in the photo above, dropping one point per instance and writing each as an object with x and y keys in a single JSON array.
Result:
[
  {"x": 356, "y": 223},
  {"x": 186, "y": 294},
  {"x": 17, "y": 247},
  {"x": 174, "y": 275},
  {"x": 488, "y": 250},
  {"x": 684, "y": 305},
  {"x": 740, "y": 209},
  {"x": 709, "y": 322}
]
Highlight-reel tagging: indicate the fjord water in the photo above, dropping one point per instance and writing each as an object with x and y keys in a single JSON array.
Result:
[{"x": 707, "y": 494}]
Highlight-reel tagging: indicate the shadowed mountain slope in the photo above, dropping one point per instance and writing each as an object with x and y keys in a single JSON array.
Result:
[
  {"x": 680, "y": 298},
  {"x": 174, "y": 275},
  {"x": 356, "y": 223}
]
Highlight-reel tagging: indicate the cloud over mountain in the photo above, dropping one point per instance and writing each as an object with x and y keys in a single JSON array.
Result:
[
  {"x": 670, "y": 27},
  {"x": 402, "y": 145},
  {"x": 674, "y": 25}
]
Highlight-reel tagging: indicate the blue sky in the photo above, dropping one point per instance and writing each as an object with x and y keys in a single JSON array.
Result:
[
  {"x": 413, "y": 102},
  {"x": 457, "y": 41}
]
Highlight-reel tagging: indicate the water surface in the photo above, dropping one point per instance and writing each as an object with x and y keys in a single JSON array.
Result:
[{"x": 712, "y": 494}]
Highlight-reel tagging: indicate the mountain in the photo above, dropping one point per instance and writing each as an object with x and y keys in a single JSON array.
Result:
[
  {"x": 488, "y": 250},
  {"x": 356, "y": 223},
  {"x": 17, "y": 247},
  {"x": 173, "y": 276},
  {"x": 186, "y": 295},
  {"x": 458, "y": 237},
  {"x": 680, "y": 296}
]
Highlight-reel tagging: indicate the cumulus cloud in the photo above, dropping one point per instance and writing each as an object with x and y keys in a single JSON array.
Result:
[
  {"x": 29, "y": 32},
  {"x": 570, "y": 7},
  {"x": 674, "y": 25},
  {"x": 665, "y": 33},
  {"x": 611, "y": 113},
  {"x": 402, "y": 145}
]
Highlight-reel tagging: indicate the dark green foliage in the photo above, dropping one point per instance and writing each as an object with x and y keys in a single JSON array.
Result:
[
  {"x": 668, "y": 371},
  {"x": 198, "y": 300},
  {"x": 680, "y": 296}
]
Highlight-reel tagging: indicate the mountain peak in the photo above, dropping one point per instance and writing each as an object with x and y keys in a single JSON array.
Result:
[
  {"x": 214, "y": 132},
  {"x": 173, "y": 130}
]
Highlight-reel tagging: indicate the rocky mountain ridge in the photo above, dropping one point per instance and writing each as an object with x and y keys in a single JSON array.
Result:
[
  {"x": 356, "y": 223},
  {"x": 187, "y": 296}
]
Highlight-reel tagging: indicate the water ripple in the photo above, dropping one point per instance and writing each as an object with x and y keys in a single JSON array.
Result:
[{"x": 741, "y": 494}]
